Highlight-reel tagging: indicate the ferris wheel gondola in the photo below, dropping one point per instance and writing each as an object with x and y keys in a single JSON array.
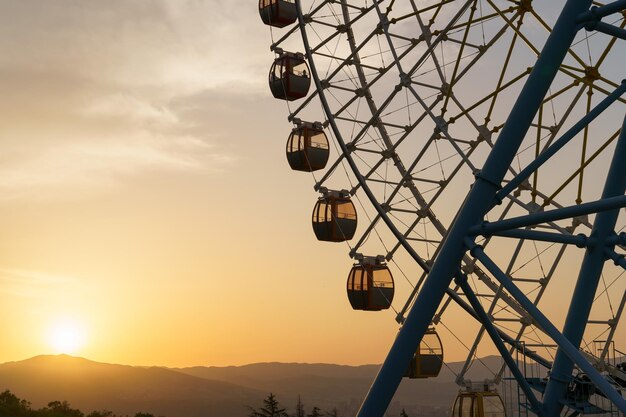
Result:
[
  {"x": 289, "y": 76},
  {"x": 370, "y": 285},
  {"x": 479, "y": 403},
  {"x": 278, "y": 13},
  {"x": 334, "y": 217},
  {"x": 428, "y": 359},
  {"x": 307, "y": 147}
]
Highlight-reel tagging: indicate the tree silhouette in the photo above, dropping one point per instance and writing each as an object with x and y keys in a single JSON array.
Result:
[
  {"x": 60, "y": 409},
  {"x": 332, "y": 413},
  {"x": 316, "y": 412},
  {"x": 10, "y": 405},
  {"x": 13, "y": 406},
  {"x": 271, "y": 408},
  {"x": 299, "y": 408},
  {"x": 103, "y": 413},
  {"x": 403, "y": 413}
]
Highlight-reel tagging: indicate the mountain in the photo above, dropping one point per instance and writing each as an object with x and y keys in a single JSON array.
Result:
[
  {"x": 218, "y": 391},
  {"x": 91, "y": 386},
  {"x": 344, "y": 387}
]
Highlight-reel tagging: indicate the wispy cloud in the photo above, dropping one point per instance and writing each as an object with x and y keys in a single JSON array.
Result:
[
  {"x": 95, "y": 165},
  {"x": 133, "y": 108},
  {"x": 178, "y": 46},
  {"x": 100, "y": 93},
  {"x": 33, "y": 284}
]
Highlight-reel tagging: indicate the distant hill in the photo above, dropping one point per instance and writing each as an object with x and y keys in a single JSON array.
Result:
[
  {"x": 91, "y": 386},
  {"x": 343, "y": 386},
  {"x": 217, "y": 391}
]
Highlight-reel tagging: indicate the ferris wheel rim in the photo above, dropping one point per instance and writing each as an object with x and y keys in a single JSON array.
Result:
[{"x": 346, "y": 153}]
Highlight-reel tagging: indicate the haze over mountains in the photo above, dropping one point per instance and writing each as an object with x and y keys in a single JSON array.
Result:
[{"x": 217, "y": 391}]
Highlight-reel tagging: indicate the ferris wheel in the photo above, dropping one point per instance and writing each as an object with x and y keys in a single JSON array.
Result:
[{"x": 472, "y": 156}]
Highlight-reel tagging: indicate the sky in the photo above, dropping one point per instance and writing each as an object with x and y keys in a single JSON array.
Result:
[
  {"x": 146, "y": 206},
  {"x": 144, "y": 195}
]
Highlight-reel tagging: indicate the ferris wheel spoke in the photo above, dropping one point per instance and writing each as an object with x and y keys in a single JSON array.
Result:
[
  {"x": 549, "y": 199},
  {"x": 375, "y": 112},
  {"x": 555, "y": 129},
  {"x": 425, "y": 30},
  {"x": 440, "y": 37},
  {"x": 302, "y": 106},
  {"x": 455, "y": 70},
  {"x": 516, "y": 29},
  {"x": 416, "y": 94},
  {"x": 610, "y": 45}
]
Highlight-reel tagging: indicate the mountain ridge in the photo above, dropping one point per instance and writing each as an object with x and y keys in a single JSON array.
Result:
[{"x": 224, "y": 391}]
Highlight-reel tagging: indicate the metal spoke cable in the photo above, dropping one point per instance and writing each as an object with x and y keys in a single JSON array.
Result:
[
  {"x": 475, "y": 358},
  {"x": 532, "y": 259}
]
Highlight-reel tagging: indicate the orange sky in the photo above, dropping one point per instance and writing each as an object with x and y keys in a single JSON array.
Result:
[{"x": 144, "y": 195}]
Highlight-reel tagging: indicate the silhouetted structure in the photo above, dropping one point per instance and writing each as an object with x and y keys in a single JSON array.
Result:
[
  {"x": 278, "y": 13},
  {"x": 428, "y": 358},
  {"x": 478, "y": 404},
  {"x": 334, "y": 217},
  {"x": 289, "y": 76},
  {"x": 307, "y": 147},
  {"x": 370, "y": 285}
]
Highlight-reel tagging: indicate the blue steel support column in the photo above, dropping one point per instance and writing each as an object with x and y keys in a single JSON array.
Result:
[
  {"x": 477, "y": 203},
  {"x": 606, "y": 204},
  {"x": 587, "y": 284}
]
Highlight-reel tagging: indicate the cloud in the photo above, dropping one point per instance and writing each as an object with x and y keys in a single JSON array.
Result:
[
  {"x": 176, "y": 46},
  {"x": 33, "y": 284},
  {"x": 99, "y": 91},
  {"x": 87, "y": 142},
  {"x": 97, "y": 167},
  {"x": 126, "y": 106}
]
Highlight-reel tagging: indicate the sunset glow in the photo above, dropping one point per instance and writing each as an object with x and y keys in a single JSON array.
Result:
[
  {"x": 66, "y": 337},
  {"x": 149, "y": 214}
]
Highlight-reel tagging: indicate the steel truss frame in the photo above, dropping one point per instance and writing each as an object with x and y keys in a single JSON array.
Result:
[
  {"x": 434, "y": 283},
  {"x": 479, "y": 201}
]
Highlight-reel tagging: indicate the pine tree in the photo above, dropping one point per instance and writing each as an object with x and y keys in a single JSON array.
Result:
[
  {"x": 403, "y": 413},
  {"x": 299, "y": 408},
  {"x": 316, "y": 412},
  {"x": 271, "y": 408}
]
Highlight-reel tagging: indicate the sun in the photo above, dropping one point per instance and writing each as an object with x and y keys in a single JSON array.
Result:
[{"x": 66, "y": 337}]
